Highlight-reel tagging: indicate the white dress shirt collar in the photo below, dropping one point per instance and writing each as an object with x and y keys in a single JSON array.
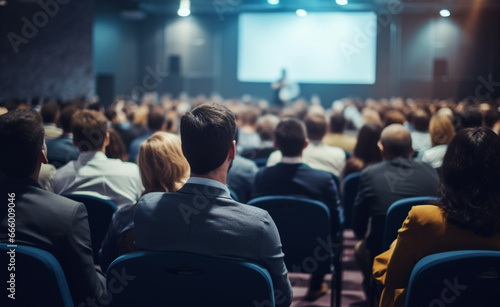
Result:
[{"x": 291, "y": 160}]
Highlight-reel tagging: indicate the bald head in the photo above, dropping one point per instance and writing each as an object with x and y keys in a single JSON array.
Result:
[{"x": 395, "y": 141}]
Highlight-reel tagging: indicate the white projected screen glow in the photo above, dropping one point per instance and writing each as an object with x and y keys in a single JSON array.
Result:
[{"x": 331, "y": 48}]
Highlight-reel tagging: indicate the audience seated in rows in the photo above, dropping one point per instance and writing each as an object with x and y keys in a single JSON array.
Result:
[
  {"x": 93, "y": 173},
  {"x": 163, "y": 168},
  {"x": 61, "y": 150},
  {"x": 202, "y": 217},
  {"x": 396, "y": 177},
  {"x": 294, "y": 178},
  {"x": 43, "y": 219},
  {"x": 466, "y": 218},
  {"x": 316, "y": 154},
  {"x": 366, "y": 151}
]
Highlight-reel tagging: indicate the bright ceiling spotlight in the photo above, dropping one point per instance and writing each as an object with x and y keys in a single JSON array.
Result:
[
  {"x": 184, "y": 8},
  {"x": 341, "y": 2},
  {"x": 444, "y": 13},
  {"x": 273, "y": 2},
  {"x": 301, "y": 13}
]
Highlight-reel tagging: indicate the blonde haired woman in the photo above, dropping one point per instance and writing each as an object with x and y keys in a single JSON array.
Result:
[
  {"x": 442, "y": 132},
  {"x": 163, "y": 168}
]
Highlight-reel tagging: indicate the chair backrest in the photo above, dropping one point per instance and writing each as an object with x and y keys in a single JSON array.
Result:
[
  {"x": 457, "y": 278},
  {"x": 304, "y": 227},
  {"x": 100, "y": 212},
  {"x": 38, "y": 281},
  {"x": 350, "y": 189},
  {"x": 153, "y": 278},
  {"x": 397, "y": 213}
]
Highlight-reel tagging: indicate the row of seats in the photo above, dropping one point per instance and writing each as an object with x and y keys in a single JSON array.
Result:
[{"x": 180, "y": 279}]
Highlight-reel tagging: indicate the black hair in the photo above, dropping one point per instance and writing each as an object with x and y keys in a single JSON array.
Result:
[
  {"x": 21, "y": 140},
  {"x": 207, "y": 133},
  {"x": 290, "y": 136},
  {"x": 470, "y": 180}
]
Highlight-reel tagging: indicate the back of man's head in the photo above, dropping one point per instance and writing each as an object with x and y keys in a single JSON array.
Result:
[
  {"x": 66, "y": 116},
  {"x": 396, "y": 142},
  {"x": 337, "y": 123},
  {"x": 156, "y": 118},
  {"x": 290, "y": 137},
  {"x": 316, "y": 126},
  {"x": 50, "y": 112},
  {"x": 420, "y": 120},
  {"x": 393, "y": 117},
  {"x": 266, "y": 125},
  {"x": 21, "y": 140},
  {"x": 207, "y": 133},
  {"x": 89, "y": 129}
]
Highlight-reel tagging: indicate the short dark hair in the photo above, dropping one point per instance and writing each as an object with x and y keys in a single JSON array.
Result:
[
  {"x": 21, "y": 140},
  {"x": 316, "y": 126},
  {"x": 420, "y": 120},
  {"x": 290, "y": 136},
  {"x": 50, "y": 111},
  {"x": 156, "y": 118},
  {"x": 66, "y": 116},
  {"x": 470, "y": 180},
  {"x": 207, "y": 133},
  {"x": 337, "y": 123},
  {"x": 89, "y": 129}
]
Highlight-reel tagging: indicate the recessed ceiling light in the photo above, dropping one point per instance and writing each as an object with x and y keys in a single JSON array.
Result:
[
  {"x": 444, "y": 13},
  {"x": 301, "y": 13}
]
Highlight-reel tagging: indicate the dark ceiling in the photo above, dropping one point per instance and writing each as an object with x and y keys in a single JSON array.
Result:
[{"x": 238, "y": 6}]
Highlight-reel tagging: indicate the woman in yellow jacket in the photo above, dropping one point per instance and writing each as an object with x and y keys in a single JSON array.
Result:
[{"x": 468, "y": 216}]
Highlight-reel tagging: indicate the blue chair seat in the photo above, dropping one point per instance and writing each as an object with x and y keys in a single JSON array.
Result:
[
  {"x": 156, "y": 278},
  {"x": 39, "y": 278},
  {"x": 457, "y": 278}
]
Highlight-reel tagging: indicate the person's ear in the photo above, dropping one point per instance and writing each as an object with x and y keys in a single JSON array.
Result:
[
  {"x": 106, "y": 140},
  {"x": 380, "y": 146},
  {"x": 43, "y": 154},
  {"x": 306, "y": 142},
  {"x": 232, "y": 150},
  {"x": 411, "y": 153}
]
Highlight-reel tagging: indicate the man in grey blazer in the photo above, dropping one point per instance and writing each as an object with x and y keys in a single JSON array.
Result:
[
  {"x": 43, "y": 219},
  {"x": 202, "y": 217}
]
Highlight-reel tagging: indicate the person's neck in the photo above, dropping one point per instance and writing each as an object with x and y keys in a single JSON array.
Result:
[{"x": 217, "y": 175}]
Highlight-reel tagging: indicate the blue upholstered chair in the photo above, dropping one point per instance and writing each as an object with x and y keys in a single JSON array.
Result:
[
  {"x": 350, "y": 189},
  {"x": 154, "y": 278},
  {"x": 457, "y": 278},
  {"x": 305, "y": 232},
  {"x": 39, "y": 278}
]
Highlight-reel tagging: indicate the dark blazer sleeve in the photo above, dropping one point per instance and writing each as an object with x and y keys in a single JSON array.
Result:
[
  {"x": 83, "y": 279},
  {"x": 272, "y": 258},
  {"x": 361, "y": 213}
]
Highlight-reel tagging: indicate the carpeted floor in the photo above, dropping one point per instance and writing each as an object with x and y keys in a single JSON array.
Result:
[{"x": 352, "y": 294}]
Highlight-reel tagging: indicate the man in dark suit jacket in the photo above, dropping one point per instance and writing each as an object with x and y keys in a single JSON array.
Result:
[
  {"x": 61, "y": 150},
  {"x": 395, "y": 178},
  {"x": 202, "y": 217},
  {"x": 293, "y": 178},
  {"x": 44, "y": 219}
]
